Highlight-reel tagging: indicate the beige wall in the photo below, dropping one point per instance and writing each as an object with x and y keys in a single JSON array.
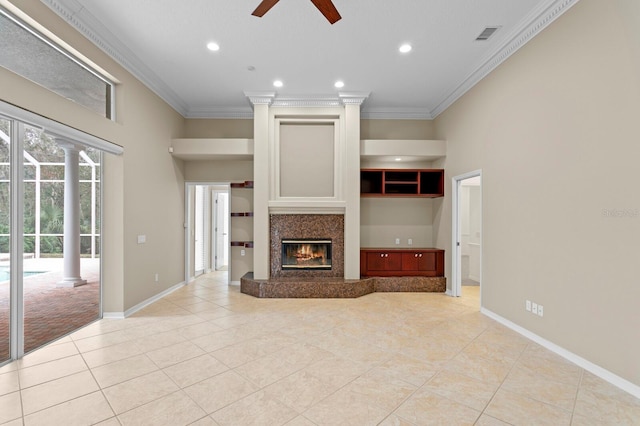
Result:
[
  {"x": 382, "y": 220},
  {"x": 143, "y": 189},
  {"x": 554, "y": 130},
  {"x": 218, "y": 128},
  {"x": 397, "y": 129}
]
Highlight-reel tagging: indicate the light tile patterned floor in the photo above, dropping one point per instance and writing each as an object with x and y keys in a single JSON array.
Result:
[{"x": 209, "y": 355}]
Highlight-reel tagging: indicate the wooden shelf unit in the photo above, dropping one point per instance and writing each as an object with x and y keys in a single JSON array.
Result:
[
  {"x": 247, "y": 184},
  {"x": 402, "y": 183}
]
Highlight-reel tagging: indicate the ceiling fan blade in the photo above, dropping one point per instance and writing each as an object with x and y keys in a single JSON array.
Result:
[
  {"x": 328, "y": 10},
  {"x": 264, "y": 7}
]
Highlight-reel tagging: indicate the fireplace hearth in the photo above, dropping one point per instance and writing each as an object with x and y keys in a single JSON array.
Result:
[{"x": 306, "y": 254}]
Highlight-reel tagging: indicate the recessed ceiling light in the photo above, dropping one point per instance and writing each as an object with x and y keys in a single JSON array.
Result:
[
  {"x": 398, "y": 159},
  {"x": 278, "y": 83},
  {"x": 213, "y": 46},
  {"x": 339, "y": 84},
  {"x": 405, "y": 48}
]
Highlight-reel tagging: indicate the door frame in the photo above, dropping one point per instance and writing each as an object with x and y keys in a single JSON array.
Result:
[
  {"x": 189, "y": 223},
  {"x": 215, "y": 193},
  {"x": 456, "y": 263}
]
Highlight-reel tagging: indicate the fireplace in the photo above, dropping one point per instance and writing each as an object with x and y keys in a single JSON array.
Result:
[
  {"x": 310, "y": 229},
  {"x": 306, "y": 254}
]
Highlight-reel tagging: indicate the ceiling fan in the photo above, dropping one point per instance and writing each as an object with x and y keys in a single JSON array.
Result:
[{"x": 325, "y": 6}]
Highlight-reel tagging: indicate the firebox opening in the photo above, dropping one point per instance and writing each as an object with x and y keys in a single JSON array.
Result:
[{"x": 306, "y": 254}]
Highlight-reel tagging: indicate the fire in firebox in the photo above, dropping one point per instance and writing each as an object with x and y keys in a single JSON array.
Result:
[{"x": 306, "y": 254}]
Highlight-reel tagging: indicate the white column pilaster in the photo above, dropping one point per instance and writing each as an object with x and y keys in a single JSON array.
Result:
[
  {"x": 261, "y": 237},
  {"x": 71, "y": 240},
  {"x": 352, "y": 104}
]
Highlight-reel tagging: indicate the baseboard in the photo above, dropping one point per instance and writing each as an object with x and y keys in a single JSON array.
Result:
[
  {"x": 113, "y": 315},
  {"x": 449, "y": 292},
  {"x": 594, "y": 369},
  {"x": 143, "y": 304},
  {"x": 234, "y": 283}
]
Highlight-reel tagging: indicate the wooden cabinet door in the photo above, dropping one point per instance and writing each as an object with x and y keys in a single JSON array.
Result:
[
  {"x": 419, "y": 261},
  {"x": 394, "y": 261},
  {"x": 427, "y": 261},
  {"x": 410, "y": 261},
  {"x": 383, "y": 261},
  {"x": 376, "y": 261}
]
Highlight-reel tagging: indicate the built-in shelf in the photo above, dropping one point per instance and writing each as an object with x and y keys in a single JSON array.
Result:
[
  {"x": 402, "y": 183},
  {"x": 245, "y": 184},
  {"x": 245, "y": 244}
]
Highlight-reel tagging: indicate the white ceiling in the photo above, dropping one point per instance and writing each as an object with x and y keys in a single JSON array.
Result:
[{"x": 163, "y": 43}]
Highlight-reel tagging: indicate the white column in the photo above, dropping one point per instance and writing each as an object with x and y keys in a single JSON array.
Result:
[
  {"x": 261, "y": 244},
  {"x": 71, "y": 273}
]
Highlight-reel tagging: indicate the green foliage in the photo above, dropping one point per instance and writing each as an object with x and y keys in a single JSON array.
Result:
[{"x": 44, "y": 149}]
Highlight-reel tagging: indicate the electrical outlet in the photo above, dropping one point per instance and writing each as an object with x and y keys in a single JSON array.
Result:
[
  {"x": 410, "y": 241},
  {"x": 540, "y": 310},
  {"x": 157, "y": 277},
  {"x": 397, "y": 240},
  {"x": 527, "y": 305},
  {"x": 242, "y": 252},
  {"x": 534, "y": 308}
]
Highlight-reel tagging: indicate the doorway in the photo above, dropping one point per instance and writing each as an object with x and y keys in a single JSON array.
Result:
[
  {"x": 221, "y": 229},
  {"x": 467, "y": 233},
  {"x": 206, "y": 228}
]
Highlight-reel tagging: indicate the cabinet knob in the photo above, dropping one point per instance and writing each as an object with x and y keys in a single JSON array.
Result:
[
  {"x": 381, "y": 254},
  {"x": 386, "y": 255},
  {"x": 420, "y": 254}
]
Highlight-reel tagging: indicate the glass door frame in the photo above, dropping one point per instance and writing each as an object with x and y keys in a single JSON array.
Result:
[{"x": 18, "y": 120}]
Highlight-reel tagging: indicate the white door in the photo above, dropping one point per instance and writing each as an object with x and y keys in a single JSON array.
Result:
[
  {"x": 467, "y": 231},
  {"x": 199, "y": 231},
  {"x": 221, "y": 230}
]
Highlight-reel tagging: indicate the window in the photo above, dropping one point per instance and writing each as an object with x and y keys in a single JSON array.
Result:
[{"x": 31, "y": 55}]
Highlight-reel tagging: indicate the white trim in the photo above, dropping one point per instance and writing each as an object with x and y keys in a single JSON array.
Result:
[
  {"x": 59, "y": 130},
  {"x": 234, "y": 283},
  {"x": 113, "y": 315},
  {"x": 391, "y": 113},
  {"x": 604, "y": 374},
  {"x": 144, "y": 303}
]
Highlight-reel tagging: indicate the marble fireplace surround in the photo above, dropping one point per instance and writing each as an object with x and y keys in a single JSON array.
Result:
[{"x": 295, "y": 226}]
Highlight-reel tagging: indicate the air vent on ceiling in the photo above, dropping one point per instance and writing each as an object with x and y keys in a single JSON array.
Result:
[{"x": 486, "y": 33}]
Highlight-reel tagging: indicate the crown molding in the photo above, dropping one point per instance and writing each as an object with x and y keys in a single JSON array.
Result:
[
  {"x": 260, "y": 98},
  {"x": 353, "y": 98},
  {"x": 90, "y": 27},
  {"x": 530, "y": 26},
  {"x": 303, "y": 101},
  {"x": 396, "y": 114},
  {"x": 220, "y": 112}
]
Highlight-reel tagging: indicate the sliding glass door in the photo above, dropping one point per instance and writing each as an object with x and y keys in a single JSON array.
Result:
[
  {"x": 5, "y": 240},
  {"x": 50, "y": 274}
]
